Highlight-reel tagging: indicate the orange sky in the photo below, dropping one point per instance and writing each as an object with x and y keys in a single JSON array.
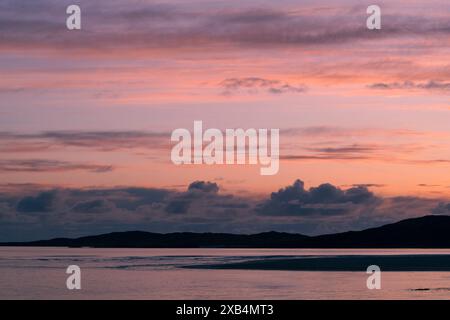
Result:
[{"x": 374, "y": 109}]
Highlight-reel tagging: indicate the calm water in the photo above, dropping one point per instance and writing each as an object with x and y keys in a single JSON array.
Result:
[{"x": 39, "y": 273}]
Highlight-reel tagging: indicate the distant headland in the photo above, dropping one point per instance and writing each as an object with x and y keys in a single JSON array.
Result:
[{"x": 423, "y": 232}]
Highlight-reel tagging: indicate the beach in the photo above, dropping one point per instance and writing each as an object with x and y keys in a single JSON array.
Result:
[{"x": 183, "y": 274}]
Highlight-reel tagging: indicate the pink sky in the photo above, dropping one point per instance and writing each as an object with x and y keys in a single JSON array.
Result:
[
  {"x": 86, "y": 116},
  {"x": 374, "y": 109}
]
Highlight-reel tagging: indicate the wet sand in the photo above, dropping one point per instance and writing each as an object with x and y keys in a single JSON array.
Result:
[{"x": 424, "y": 262}]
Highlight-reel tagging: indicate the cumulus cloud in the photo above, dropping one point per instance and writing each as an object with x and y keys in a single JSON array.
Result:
[
  {"x": 201, "y": 196},
  {"x": 325, "y": 199},
  {"x": 43, "y": 202},
  {"x": 31, "y": 213},
  {"x": 204, "y": 186}
]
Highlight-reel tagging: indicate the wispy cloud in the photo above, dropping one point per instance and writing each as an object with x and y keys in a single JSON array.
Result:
[
  {"x": 307, "y": 143},
  {"x": 411, "y": 85},
  {"x": 150, "y": 25},
  {"x": 100, "y": 140},
  {"x": 42, "y": 165},
  {"x": 255, "y": 85}
]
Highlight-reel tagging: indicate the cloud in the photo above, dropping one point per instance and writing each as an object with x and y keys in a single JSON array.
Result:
[
  {"x": 357, "y": 157},
  {"x": 428, "y": 185},
  {"x": 355, "y": 148},
  {"x": 152, "y": 25},
  {"x": 411, "y": 85},
  {"x": 200, "y": 196},
  {"x": 99, "y": 140},
  {"x": 442, "y": 208},
  {"x": 106, "y": 141},
  {"x": 42, "y": 202},
  {"x": 254, "y": 85},
  {"x": 7, "y": 90},
  {"x": 31, "y": 213},
  {"x": 204, "y": 186},
  {"x": 323, "y": 157},
  {"x": 93, "y": 206},
  {"x": 127, "y": 199},
  {"x": 325, "y": 199},
  {"x": 228, "y": 36},
  {"x": 43, "y": 165},
  {"x": 344, "y": 152},
  {"x": 392, "y": 146},
  {"x": 347, "y": 132},
  {"x": 178, "y": 206},
  {"x": 369, "y": 185}
]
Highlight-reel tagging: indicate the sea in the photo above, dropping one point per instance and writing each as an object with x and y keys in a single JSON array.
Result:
[{"x": 40, "y": 273}]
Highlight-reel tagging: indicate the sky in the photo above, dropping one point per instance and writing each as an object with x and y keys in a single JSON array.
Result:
[{"x": 86, "y": 115}]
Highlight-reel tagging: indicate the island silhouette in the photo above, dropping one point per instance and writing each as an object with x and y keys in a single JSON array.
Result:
[{"x": 423, "y": 232}]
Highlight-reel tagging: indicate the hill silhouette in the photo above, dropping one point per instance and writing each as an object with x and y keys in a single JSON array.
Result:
[{"x": 423, "y": 232}]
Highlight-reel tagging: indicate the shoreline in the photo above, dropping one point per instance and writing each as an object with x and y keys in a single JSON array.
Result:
[{"x": 425, "y": 263}]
